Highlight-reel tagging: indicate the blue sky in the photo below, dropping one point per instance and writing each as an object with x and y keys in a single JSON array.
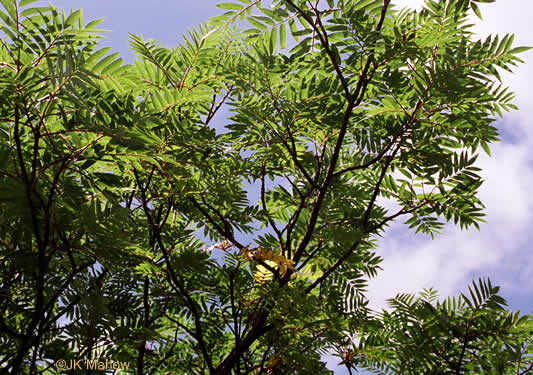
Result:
[
  {"x": 501, "y": 250},
  {"x": 162, "y": 20}
]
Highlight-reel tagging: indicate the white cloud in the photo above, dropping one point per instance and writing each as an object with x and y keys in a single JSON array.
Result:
[
  {"x": 413, "y": 262},
  {"x": 502, "y": 17},
  {"x": 414, "y": 4},
  {"x": 501, "y": 249},
  {"x": 513, "y": 16},
  {"x": 449, "y": 262},
  {"x": 507, "y": 188}
]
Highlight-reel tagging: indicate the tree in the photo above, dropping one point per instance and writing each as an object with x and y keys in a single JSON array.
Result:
[
  {"x": 129, "y": 221},
  {"x": 467, "y": 335}
]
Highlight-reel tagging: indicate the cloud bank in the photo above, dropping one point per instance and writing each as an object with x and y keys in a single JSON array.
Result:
[{"x": 501, "y": 249}]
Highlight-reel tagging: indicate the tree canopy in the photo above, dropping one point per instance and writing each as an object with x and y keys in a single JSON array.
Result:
[{"x": 135, "y": 227}]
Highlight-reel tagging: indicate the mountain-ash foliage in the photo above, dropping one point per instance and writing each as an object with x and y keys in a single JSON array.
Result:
[{"x": 134, "y": 229}]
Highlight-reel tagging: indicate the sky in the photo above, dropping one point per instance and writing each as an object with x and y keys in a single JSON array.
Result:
[{"x": 501, "y": 250}]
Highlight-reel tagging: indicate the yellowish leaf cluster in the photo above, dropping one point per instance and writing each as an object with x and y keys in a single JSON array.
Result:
[
  {"x": 272, "y": 258},
  {"x": 261, "y": 274}
]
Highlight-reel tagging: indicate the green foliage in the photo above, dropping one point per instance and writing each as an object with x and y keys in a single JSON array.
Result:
[
  {"x": 465, "y": 335},
  {"x": 133, "y": 228}
]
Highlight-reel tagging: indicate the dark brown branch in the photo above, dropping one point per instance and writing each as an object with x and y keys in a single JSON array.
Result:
[
  {"x": 375, "y": 194},
  {"x": 294, "y": 154},
  {"x": 214, "y": 109},
  {"x": 389, "y": 160},
  {"x": 42, "y": 264},
  {"x": 310, "y": 256},
  {"x": 180, "y": 325},
  {"x": 403, "y": 211},
  {"x": 352, "y": 102},
  {"x": 465, "y": 343},
  {"x": 270, "y": 221},
  {"x": 370, "y": 162},
  {"x": 293, "y": 220},
  {"x": 66, "y": 284},
  {"x": 234, "y": 310},
  {"x": 227, "y": 225},
  {"x": 294, "y": 186},
  {"x": 527, "y": 370},
  {"x": 325, "y": 44},
  {"x": 4, "y": 328},
  {"x": 146, "y": 324},
  {"x": 337, "y": 264},
  {"x": 164, "y": 359},
  {"x": 325, "y": 187},
  {"x": 368, "y": 210},
  {"x": 71, "y": 305},
  {"x": 28, "y": 183},
  {"x": 226, "y": 231},
  {"x": 156, "y": 232},
  {"x": 258, "y": 329}
]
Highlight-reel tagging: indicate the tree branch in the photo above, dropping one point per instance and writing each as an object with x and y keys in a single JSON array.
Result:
[
  {"x": 368, "y": 211},
  {"x": 352, "y": 101},
  {"x": 156, "y": 230}
]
